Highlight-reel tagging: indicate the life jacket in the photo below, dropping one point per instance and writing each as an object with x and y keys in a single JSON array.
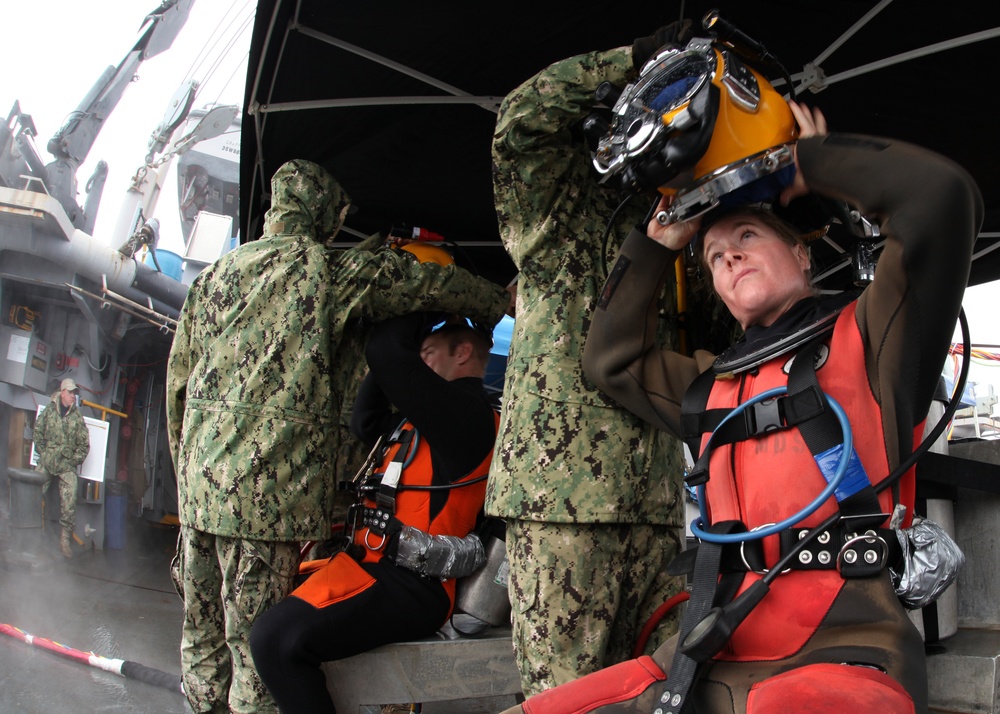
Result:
[
  {"x": 412, "y": 506},
  {"x": 773, "y": 475},
  {"x": 406, "y": 463},
  {"x": 762, "y": 470}
]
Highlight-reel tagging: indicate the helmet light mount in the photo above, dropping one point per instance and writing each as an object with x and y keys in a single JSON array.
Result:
[{"x": 701, "y": 124}]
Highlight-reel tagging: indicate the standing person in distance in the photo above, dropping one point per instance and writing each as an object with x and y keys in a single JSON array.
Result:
[{"x": 63, "y": 442}]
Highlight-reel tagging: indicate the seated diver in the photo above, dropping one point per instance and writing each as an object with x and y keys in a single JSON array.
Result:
[
  {"x": 826, "y": 631},
  {"x": 409, "y": 535}
]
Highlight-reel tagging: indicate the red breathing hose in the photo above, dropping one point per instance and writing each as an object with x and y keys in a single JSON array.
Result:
[
  {"x": 654, "y": 620},
  {"x": 123, "y": 668}
]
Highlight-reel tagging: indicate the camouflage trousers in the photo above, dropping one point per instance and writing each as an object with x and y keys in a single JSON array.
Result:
[
  {"x": 581, "y": 594},
  {"x": 226, "y": 583},
  {"x": 67, "y": 498}
]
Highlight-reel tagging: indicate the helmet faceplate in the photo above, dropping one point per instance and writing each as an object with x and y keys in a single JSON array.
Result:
[{"x": 698, "y": 124}]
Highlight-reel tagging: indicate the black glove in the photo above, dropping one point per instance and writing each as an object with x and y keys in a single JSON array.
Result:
[{"x": 676, "y": 33}]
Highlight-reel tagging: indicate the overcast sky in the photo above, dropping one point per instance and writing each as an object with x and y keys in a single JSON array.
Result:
[{"x": 55, "y": 50}]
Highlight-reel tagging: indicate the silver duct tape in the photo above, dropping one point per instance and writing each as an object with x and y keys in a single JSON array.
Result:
[
  {"x": 932, "y": 561},
  {"x": 439, "y": 556}
]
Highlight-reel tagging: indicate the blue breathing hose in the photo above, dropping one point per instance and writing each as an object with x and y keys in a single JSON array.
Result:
[{"x": 847, "y": 447}]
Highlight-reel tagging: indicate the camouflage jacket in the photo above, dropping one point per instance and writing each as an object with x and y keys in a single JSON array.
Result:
[
  {"x": 62, "y": 442},
  {"x": 265, "y": 349},
  {"x": 567, "y": 453}
]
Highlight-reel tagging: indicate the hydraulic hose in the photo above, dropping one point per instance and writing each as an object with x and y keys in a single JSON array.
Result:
[
  {"x": 123, "y": 668},
  {"x": 654, "y": 620}
]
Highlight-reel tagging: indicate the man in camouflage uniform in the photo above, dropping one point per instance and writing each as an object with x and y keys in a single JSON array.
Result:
[
  {"x": 255, "y": 385},
  {"x": 591, "y": 494},
  {"x": 62, "y": 443}
]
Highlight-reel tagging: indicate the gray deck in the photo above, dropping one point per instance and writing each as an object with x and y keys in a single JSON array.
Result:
[
  {"x": 121, "y": 604},
  {"x": 115, "y": 603}
]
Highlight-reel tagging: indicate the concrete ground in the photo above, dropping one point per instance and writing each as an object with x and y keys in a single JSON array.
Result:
[{"x": 115, "y": 603}]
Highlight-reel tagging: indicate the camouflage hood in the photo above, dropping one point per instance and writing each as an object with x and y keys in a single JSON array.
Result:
[{"x": 305, "y": 200}]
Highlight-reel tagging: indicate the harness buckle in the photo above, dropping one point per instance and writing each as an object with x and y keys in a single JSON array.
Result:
[
  {"x": 862, "y": 555},
  {"x": 743, "y": 556},
  {"x": 766, "y": 416},
  {"x": 696, "y": 477},
  {"x": 369, "y": 545}
]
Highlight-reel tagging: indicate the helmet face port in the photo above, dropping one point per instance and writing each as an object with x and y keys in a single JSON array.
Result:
[
  {"x": 699, "y": 123},
  {"x": 653, "y": 107}
]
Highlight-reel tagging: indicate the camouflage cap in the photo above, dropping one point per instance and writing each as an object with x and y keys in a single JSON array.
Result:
[{"x": 306, "y": 200}]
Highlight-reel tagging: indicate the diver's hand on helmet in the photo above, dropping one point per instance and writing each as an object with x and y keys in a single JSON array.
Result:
[
  {"x": 810, "y": 120},
  {"x": 673, "y": 235},
  {"x": 676, "y": 33},
  {"x": 811, "y": 123}
]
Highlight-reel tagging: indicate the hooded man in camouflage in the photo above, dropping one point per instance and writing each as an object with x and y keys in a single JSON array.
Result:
[
  {"x": 62, "y": 442},
  {"x": 258, "y": 371}
]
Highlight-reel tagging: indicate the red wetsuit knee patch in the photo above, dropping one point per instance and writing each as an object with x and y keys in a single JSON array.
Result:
[{"x": 830, "y": 689}]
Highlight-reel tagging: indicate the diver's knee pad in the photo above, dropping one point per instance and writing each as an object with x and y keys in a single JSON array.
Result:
[{"x": 830, "y": 689}]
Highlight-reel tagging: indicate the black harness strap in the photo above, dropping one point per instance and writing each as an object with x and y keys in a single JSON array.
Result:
[
  {"x": 696, "y": 419},
  {"x": 804, "y": 406},
  {"x": 860, "y": 511},
  {"x": 793, "y": 409},
  {"x": 707, "y": 591},
  {"x": 389, "y": 485}
]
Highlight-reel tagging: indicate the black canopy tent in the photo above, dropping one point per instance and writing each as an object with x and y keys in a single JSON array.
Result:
[{"x": 398, "y": 99}]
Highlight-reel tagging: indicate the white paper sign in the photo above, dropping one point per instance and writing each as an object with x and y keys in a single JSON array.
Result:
[{"x": 17, "y": 350}]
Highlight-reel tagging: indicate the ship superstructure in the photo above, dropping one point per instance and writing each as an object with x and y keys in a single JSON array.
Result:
[{"x": 104, "y": 314}]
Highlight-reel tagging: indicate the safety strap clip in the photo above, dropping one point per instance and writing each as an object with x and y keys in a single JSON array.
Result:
[
  {"x": 862, "y": 555},
  {"x": 766, "y": 416}
]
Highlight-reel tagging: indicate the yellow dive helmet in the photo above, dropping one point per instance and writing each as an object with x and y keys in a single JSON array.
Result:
[
  {"x": 427, "y": 253},
  {"x": 700, "y": 124}
]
